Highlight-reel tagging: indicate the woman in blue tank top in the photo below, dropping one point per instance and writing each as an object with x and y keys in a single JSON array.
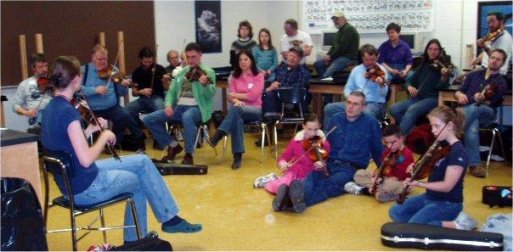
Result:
[{"x": 98, "y": 180}]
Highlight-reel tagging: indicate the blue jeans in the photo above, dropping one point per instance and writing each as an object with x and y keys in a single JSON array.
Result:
[
  {"x": 318, "y": 187},
  {"x": 234, "y": 123},
  {"x": 377, "y": 110},
  {"x": 272, "y": 102},
  {"x": 408, "y": 111},
  {"x": 146, "y": 104},
  {"x": 421, "y": 210},
  {"x": 121, "y": 120},
  {"x": 336, "y": 65},
  {"x": 136, "y": 174},
  {"x": 396, "y": 78},
  {"x": 475, "y": 116},
  {"x": 188, "y": 116}
]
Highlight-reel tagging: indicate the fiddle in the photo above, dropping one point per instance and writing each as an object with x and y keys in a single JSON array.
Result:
[
  {"x": 425, "y": 165},
  {"x": 87, "y": 115},
  {"x": 385, "y": 169},
  {"x": 442, "y": 62},
  {"x": 116, "y": 77},
  {"x": 315, "y": 151},
  {"x": 195, "y": 73},
  {"x": 492, "y": 36},
  {"x": 487, "y": 93},
  {"x": 374, "y": 73}
]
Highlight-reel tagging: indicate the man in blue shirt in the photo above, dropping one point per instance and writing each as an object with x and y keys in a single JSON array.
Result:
[
  {"x": 375, "y": 89},
  {"x": 480, "y": 104},
  {"x": 103, "y": 97},
  {"x": 290, "y": 74},
  {"x": 395, "y": 55},
  {"x": 355, "y": 138}
]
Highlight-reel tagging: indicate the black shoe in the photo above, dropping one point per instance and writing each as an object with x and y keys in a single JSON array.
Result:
[
  {"x": 237, "y": 159},
  {"x": 281, "y": 196},
  {"x": 297, "y": 196},
  {"x": 258, "y": 143},
  {"x": 187, "y": 159},
  {"x": 172, "y": 152},
  {"x": 216, "y": 137}
]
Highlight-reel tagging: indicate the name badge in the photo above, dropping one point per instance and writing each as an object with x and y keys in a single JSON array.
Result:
[{"x": 250, "y": 85}]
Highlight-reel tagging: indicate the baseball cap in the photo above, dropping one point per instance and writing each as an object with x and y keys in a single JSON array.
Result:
[{"x": 337, "y": 14}]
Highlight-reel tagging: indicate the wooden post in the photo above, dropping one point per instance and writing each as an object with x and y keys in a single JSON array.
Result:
[
  {"x": 101, "y": 38},
  {"x": 470, "y": 55},
  {"x": 23, "y": 56},
  {"x": 39, "y": 43},
  {"x": 122, "y": 65}
]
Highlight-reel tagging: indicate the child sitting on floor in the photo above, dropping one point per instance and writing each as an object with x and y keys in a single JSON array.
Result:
[
  {"x": 387, "y": 182},
  {"x": 295, "y": 162}
]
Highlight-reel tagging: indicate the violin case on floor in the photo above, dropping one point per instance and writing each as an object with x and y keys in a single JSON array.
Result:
[
  {"x": 166, "y": 168},
  {"x": 406, "y": 235},
  {"x": 497, "y": 195}
]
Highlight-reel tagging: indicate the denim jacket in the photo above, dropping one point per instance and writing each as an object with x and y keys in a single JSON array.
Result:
[{"x": 356, "y": 141}]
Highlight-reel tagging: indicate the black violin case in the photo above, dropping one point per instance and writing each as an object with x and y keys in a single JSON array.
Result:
[
  {"x": 406, "y": 235},
  {"x": 166, "y": 168}
]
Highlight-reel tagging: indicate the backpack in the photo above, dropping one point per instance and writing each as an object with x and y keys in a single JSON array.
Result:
[{"x": 420, "y": 138}]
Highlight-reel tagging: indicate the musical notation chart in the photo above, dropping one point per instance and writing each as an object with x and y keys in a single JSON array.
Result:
[{"x": 369, "y": 16}]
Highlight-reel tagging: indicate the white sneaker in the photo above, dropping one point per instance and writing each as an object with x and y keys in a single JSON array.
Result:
[
  {"x": 353, "y": 188},
  {"x": 260, "y": 182},
  {"x": 465, "y": 222}
]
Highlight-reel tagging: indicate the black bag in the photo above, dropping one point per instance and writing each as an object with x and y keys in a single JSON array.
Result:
[
  {"x": 497, "y": 196},
  {"x": 151, "y": 242},
  {"x": 406, "y": 235},
  {"x": 22, "y": 220}
]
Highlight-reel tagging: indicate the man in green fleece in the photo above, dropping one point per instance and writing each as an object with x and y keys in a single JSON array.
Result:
[
  {"x": 190, "y": 100},
  {"x": 343, "y": 50}
]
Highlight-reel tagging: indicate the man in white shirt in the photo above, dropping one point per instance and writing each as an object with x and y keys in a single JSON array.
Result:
[
  {"x": 502, "y": 40},
  {"x": 295, "y": 38}
]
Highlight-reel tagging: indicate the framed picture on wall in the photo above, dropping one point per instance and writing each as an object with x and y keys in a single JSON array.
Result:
[
  {"x": 208, "y": 25},
  {"x": 497, "y": 6}
]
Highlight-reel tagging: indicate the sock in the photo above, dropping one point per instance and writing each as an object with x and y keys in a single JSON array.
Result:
[
  {"x": 458, "y": 226},
  {"x": 173, "y": 221},
  {"x": 173, "y": 144}
]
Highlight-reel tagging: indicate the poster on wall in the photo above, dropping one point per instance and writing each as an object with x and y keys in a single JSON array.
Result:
[
  {"x": 484, "y": 8},
  {"x": 369, "y": 16},
  {"x": 208, "y": 25}
]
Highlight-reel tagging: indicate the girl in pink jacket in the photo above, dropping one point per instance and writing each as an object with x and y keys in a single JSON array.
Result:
[{"x": 295, "y": 162}]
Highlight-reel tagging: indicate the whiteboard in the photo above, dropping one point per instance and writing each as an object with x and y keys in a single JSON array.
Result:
[{"x": 369, "y": 16}]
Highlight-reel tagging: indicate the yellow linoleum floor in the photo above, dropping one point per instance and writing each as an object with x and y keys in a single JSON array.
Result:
[{"x": 235, "y": 216}]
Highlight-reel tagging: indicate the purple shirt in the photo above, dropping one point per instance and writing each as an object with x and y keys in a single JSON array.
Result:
[
  {"x": 475, "y": 82},
  {"x": 400, "y": 54}
]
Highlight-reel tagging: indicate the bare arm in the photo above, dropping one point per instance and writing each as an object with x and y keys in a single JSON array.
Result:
[{"x": 87, "y": 155}]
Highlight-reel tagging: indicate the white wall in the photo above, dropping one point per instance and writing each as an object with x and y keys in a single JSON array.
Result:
[{"x": 455, "y": 26}]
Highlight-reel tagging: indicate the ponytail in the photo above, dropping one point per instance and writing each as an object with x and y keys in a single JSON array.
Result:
[{"x": 447, "y": 114}]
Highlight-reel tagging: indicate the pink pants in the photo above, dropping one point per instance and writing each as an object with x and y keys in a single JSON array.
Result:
[{"x": 273, "y": 186}]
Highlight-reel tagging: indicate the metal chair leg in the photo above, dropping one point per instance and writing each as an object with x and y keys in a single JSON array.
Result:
[
  {"x": 136, "y": 218},
  {"x": 275, "y": 140},
  {"x": 225, "y": 142},
  {"x": 102, "y": 221},
  {"x": 494, "y": 132}
]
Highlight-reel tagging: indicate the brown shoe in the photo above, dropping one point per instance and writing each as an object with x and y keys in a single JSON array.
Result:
[
  {"x": 477, "y": 171},
  {"x": 172, "y": 152},
  {"x": 187, "y": 159}
]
